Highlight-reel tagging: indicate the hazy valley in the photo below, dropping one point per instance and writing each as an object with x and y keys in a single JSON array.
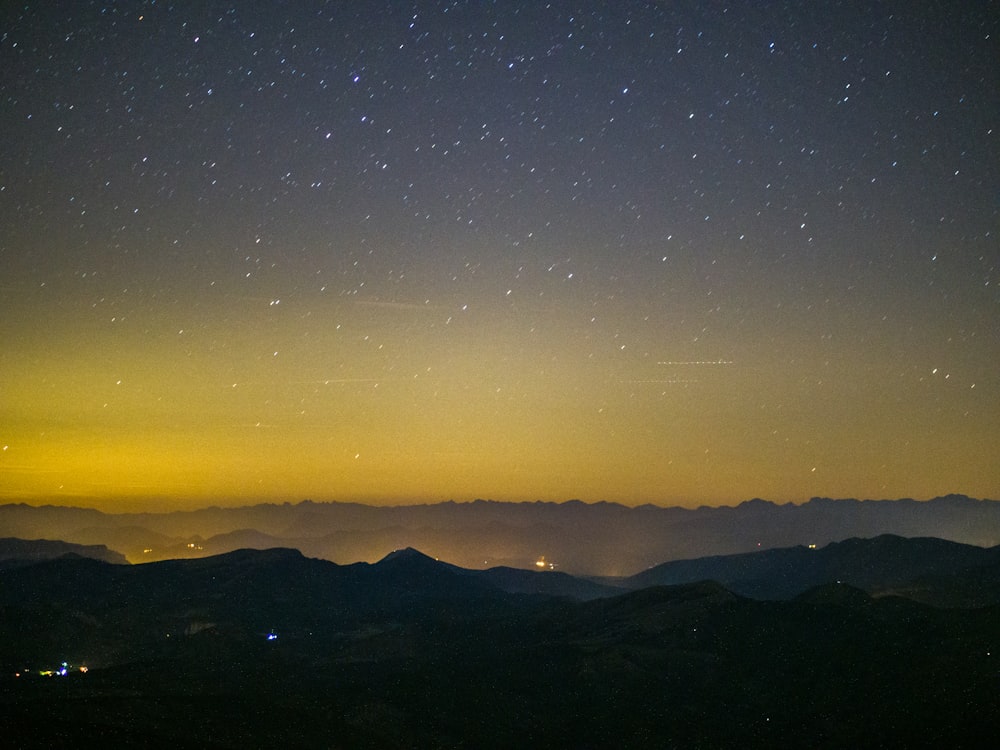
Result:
[{"x": 588, "y": 539}]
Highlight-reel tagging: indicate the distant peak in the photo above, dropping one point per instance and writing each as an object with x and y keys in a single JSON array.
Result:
[
  {"x": 407, "y": 553},
  {"x": 954, "y": 498},
  {"x": 757, "y": 503}
]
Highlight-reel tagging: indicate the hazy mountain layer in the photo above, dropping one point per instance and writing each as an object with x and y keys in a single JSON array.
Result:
[
  {"x": 19, "y": 551},
  {"x": 597, "y": 539},
  {"x": 931, "y": 570}
]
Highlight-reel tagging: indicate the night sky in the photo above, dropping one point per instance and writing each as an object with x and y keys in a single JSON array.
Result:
[{"x": 674, "y": 252}]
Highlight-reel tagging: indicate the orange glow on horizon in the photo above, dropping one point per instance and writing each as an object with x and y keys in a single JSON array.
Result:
[{"x": 459, "y": 417}]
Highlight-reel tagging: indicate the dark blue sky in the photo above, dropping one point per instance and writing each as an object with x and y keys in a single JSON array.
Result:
[{"x": 666, "y": 252}]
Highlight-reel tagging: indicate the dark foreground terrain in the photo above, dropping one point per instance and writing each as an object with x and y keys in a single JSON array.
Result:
[{"x": 270, "y": 648}]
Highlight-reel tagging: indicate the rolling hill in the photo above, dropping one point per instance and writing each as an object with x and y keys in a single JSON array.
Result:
[{"x": 268, "y": 648}]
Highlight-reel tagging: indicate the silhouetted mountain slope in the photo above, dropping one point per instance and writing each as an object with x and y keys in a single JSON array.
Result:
[
  {"x": 270, "y": 648},
  {"x": 977, "y": 586},
  {"x": 579, "y": 538},
  {"x": 841, "y": 594},
  {"x": 246, "y": 590},
  {"x": 410, "y": 561},
  {"x": 886, "y": 563},
  {"x": 548, "y": 582},
  {"x": 19, "y": 551}
]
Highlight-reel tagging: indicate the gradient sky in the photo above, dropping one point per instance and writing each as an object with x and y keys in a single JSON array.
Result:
[{"x": 674, "y": 252}]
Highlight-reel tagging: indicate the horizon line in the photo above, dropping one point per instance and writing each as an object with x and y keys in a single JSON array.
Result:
[{"x": 183, "y": 507}]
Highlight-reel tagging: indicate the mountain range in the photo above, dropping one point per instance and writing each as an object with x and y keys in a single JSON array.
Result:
[
  {"x": 931, "y": 570},
  {"x": 272, "y": 648},
  {"x": 15, "y": 551},
  {"x": 603, "y": 539}
]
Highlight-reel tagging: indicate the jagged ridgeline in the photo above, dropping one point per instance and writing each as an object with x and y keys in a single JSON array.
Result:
[{"x": 575, "y": 537}]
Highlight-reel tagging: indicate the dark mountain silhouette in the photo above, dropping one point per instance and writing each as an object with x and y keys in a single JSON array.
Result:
[
  {"x": 14, "y": 552},
  {"x": 413, "y": 560},
  {"x": 549, "y": 582},
  {"x": 271, "y": 648},
  {"x": 841, "y": 594},
  {"x": 578, "y": 538},
  {"x": 885, "y": 564}
]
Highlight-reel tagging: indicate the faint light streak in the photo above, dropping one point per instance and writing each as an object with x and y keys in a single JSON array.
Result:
[
  {"x": 397, "y": 305},
  {"x": 663, "y": 381},
  {"x": 341, "y": 381},
  {"x": 678, "y": 363}
]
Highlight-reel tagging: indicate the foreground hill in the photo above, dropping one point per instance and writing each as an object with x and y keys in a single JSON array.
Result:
[
  {"x": 575, "y": 537},
  {"x": 931, "y": 570},
  {"x": 270, "y": 648}
]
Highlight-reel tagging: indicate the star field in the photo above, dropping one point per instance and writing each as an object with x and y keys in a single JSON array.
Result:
[{"x": 678, "y": 253}]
